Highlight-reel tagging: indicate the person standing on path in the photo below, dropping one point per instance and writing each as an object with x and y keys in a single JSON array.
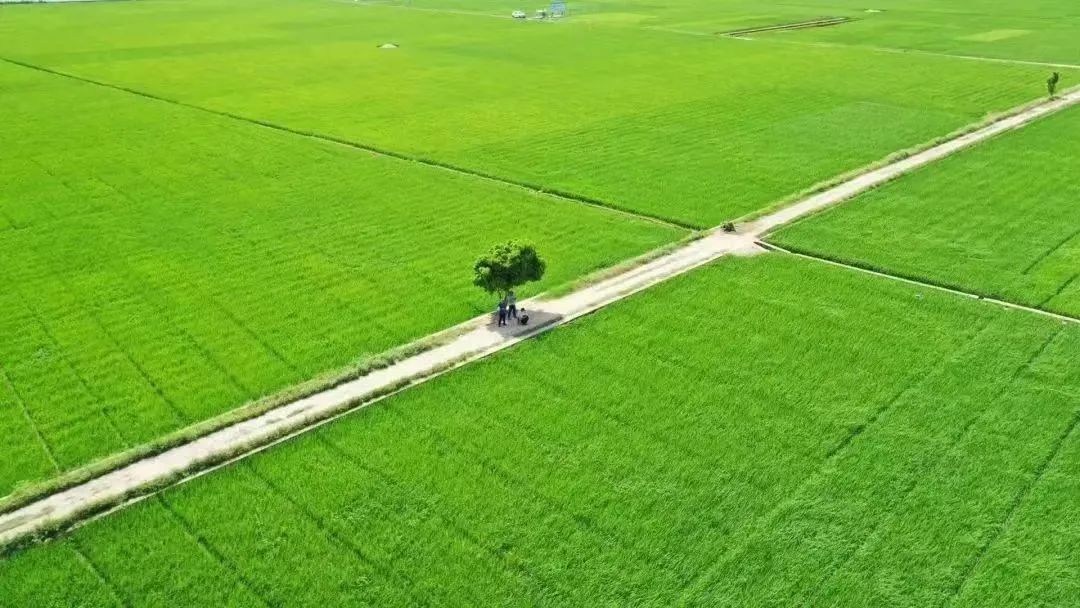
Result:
[
  {"x": 502, "y": 312},
  {"x": 511, "y": 303}
]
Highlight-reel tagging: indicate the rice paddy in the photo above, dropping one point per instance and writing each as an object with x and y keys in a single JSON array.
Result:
[
  {"x": 697, "y": 130},
  {"x": 999, "y": 220},
  {"x": 162, "y": 266},
  {"x": 1004, "y": 30},
  {"x": 203, "y": 202},
  {"x": 1041, "y": 31},
  {"x": 821, "y": 436}
]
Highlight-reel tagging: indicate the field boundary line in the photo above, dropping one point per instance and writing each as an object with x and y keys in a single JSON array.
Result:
[
  {"x": 266, "y": 346},
  {"x": 89, "y": 564},
  {"x": 44, "y": 444},
  {"x": 1014, "y": 506},
  {"x": 458, "y": 530},
  {"x": 1060, "y": 290},
  {"x": 1049, "y": 252},
  {"x": 918, "y": 282},
  {"x": 76, "y": 373},
  {"x": 768, "y": 519},
  {"x": 332, "y": 534},
  {"x": 532, "y": 188},
  {"x": 179, "y": 415},
  {"x": 783, "y": 27},
  {"x": 191, "y": 533},
  {"x": 919, "y": 476},
  {"x": 137, "y": 479},
  {"x": 511, "y": 480}
]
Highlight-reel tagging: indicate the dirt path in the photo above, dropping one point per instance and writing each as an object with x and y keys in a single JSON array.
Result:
[
  {"x": 891, "y": 171},
  {"x": 307, "y": 413},
  {"x": 244, "y": 438}
]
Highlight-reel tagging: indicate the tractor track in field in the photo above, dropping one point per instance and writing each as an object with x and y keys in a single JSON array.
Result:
[
  {"x": 786, "y": 27},
  {"x": 146, "y": 477}
]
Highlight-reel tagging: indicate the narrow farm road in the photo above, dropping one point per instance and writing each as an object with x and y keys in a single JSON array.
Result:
[
  {"x": 216, "y": 449},
  {"x": 277, "y": 425},
  {"x": 891, "y": 171}
]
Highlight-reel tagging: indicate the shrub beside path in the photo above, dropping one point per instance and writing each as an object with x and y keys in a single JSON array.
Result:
[{"x": 142, "y": 477}]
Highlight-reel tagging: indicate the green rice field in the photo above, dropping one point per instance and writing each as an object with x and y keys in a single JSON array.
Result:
[
  {"x": 1038, "y": 31},
  {"x": 162, "y": 266},
  {"x": 177, "y": 246},
  {"x": 206, "y": 203},
  {"x": 1010, "y": 30},
  {"x": 820, "y": 437},
  {"x": 693, "y": 129},
  {"x": 999, "y": 220}
]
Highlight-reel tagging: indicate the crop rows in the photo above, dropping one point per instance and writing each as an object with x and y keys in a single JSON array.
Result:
[
  {"x": 999, "y": 220},
  {"x": 692, "y": 129},
  {"x": 152, "y": 285},
  {"x": 674, "y": 448}
]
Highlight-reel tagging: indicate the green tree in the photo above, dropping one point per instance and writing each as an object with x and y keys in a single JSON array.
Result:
[
  {"x": 506, "y": 266},
  {"x": 1052, "y": 82}
]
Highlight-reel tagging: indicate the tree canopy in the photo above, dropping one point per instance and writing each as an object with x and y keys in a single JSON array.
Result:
[{"x": 506, "y": 266}]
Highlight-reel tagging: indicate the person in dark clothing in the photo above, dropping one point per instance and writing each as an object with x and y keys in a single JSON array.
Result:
[{"x": 502, "y": 312}]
